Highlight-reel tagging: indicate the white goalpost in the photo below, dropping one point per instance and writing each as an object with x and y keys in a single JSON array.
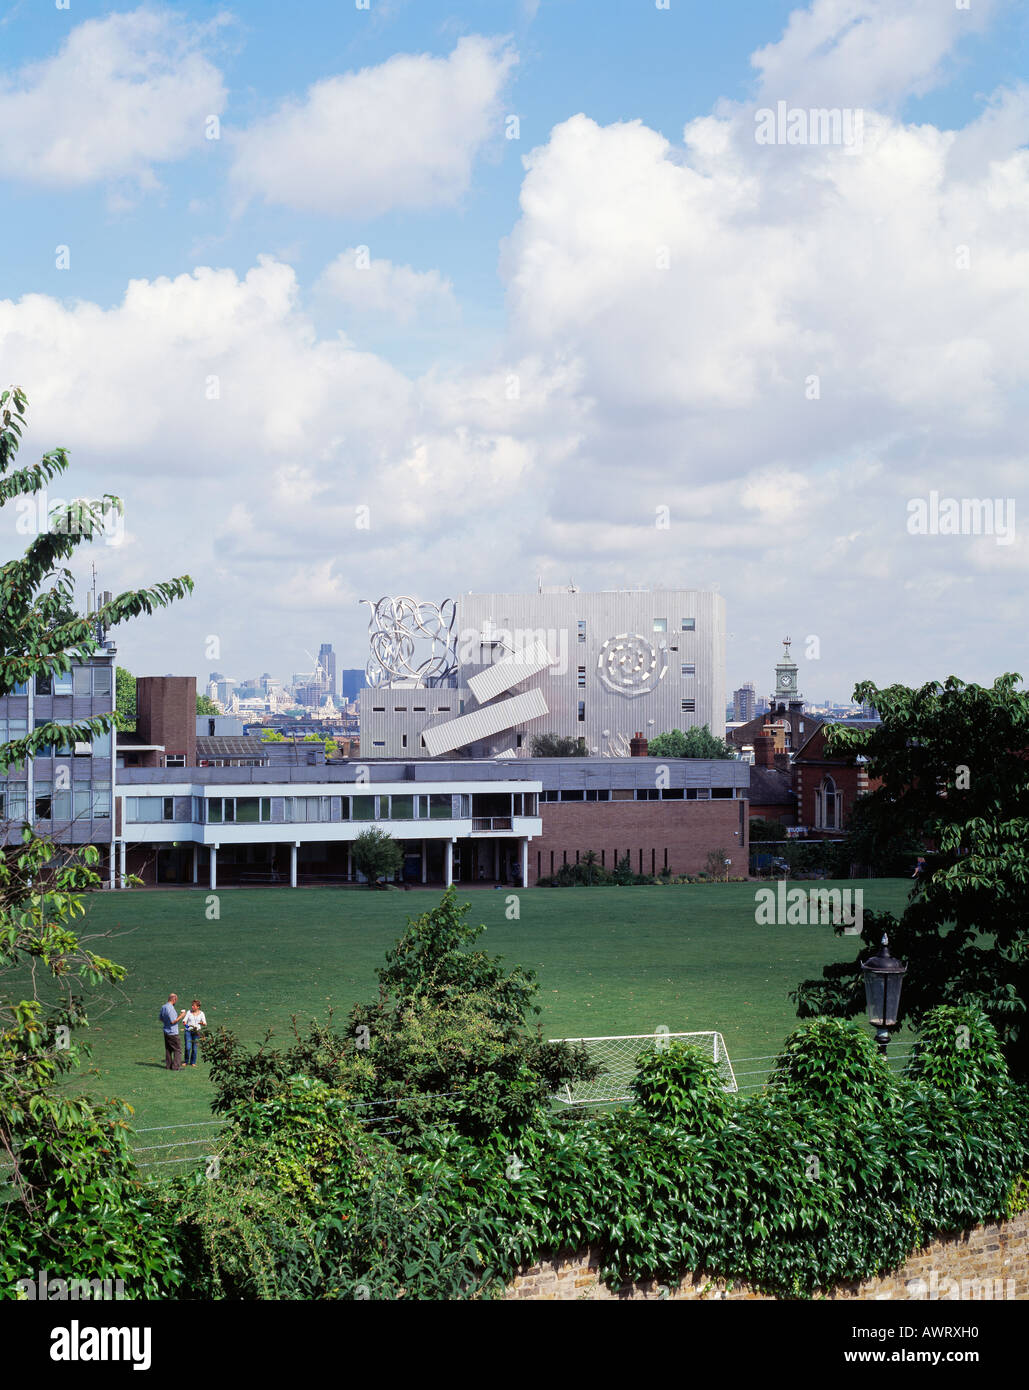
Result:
[{"x": 617, "y": 1056}]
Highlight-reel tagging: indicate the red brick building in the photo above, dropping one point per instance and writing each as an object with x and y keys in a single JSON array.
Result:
[{"x": 827, "y": 787}]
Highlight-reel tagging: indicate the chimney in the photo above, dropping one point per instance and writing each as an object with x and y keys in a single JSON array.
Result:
[
  {"x": 764, "y": 750},
  {"x": 638, "y": 746}
]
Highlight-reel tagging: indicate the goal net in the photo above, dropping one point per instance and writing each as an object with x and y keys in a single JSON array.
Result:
[{"x": 617, "y": 1058}]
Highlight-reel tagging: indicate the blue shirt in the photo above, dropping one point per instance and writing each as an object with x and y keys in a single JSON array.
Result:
[{"x": 168, "y": 1015}]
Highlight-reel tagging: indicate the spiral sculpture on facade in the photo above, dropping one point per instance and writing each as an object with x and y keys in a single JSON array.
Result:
[{"x": 398, "y": 630}]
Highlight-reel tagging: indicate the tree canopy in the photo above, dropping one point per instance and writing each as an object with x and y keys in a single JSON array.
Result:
[{"x": 953, "y": 760}]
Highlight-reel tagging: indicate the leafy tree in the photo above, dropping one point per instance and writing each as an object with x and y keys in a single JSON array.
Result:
[
  {"x": 272, "y": 735},
  {"x": 205, "y": 705},
  {"x": 952, "y": 759},
  {"x": 377, "y": 855},
  {"x": 77, "y": 1205},
  {"x": 125, "y": 699},
  {"x": 554, "y": 746},
  {"x": 694, "y": 743}
]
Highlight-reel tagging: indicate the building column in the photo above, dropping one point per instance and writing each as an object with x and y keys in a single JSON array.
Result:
[
  {"x": 525, "y": 861},
  {"x": 214, "y": 868},
  {"x": 293, "y": 864},
  {"x": 496, "y": 861},
  {"x": 448, "y": 863},
  {"x": 196, "y": 863},
  {"x": 425, "y": 866},
  {"x": 121, "y": 863},
  {"x": 350, "y": 864}
]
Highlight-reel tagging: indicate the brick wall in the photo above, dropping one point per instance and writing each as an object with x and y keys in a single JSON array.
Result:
[
  {"x": 166, "y": 714},
  {"x": 687, "y": 830},
  {"x": 988, "y": 1262}
]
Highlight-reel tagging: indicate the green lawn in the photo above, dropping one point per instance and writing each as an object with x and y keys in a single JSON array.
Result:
[{"x": 609, "y": 960}]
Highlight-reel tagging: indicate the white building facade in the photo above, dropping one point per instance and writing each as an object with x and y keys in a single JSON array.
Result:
[{"x": 504, "y": 668}]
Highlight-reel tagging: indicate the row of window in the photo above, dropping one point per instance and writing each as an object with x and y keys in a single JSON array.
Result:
[
  {"x": 86, "y": 802},
  {"x": 99, "y": 746},
  {"x": 253, "y": 810},
  {"x": 642, "y": 794},
  {"x": 80, "y": 680},
  {"x": 660, "y": 625}
]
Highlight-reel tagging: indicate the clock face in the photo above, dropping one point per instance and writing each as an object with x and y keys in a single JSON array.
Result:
[{"x": 784, "y": 680}]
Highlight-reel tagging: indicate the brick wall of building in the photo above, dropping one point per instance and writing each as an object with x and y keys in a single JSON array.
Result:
[
  {"x": 166, "y": 709},
  {"x": 988, "y": 1262},
  {"x": 684, "y": 831}
]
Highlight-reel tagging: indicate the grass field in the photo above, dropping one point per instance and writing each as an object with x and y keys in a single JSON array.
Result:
[{"x": 609, "y": 960}]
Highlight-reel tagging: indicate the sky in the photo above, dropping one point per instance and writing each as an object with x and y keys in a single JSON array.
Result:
[{"x": 364, "y": 297}]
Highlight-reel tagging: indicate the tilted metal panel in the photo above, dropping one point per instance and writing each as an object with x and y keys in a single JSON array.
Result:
[
  {"x": 509, "y": 670},
  {"x": 482, "y": 723}
]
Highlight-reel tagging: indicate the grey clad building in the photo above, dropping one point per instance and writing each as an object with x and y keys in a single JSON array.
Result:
[{"x": 481, "y": 675}]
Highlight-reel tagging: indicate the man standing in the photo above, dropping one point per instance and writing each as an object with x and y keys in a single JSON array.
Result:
[{"x": 172, "y": 1043}]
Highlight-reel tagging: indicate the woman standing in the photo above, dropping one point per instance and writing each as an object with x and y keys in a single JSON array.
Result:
[{"x": 193, "y": 1022}]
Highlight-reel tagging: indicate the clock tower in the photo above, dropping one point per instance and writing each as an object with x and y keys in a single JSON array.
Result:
[{"x": 786, "y": 688}]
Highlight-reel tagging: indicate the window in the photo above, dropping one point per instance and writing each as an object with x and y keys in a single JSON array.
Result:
[
  {"x": 378, "y": 743},
  {"x": 418, "y": 709},
  {"x": 647, "y": 794},
  {"x": 62, "y": 803},
  {"x": 101, "y": 744},
  {"x": 364, "y": 807},
  {"x": 582, "y": 676},
  {"x": 442, "y": 709},
  {"x": 101, "y": 680},
  {"x": 149, "y": 808},
  {"x": 251, "y": 809},
  {"x": 582, "y": 630},
  {"x": 308, "y": 808},
  {"x": 689, "y": 706},
  {"x": 14, "y": 801},
  {"x": 573, "y": 796},
  {"x": 689, "y": 624},
  {"x": 21, "y": 688},
  {"x": 378, "y": 709},
  {"x": 62, "y": 682},
  {"x": 660, "y": 624},
  {"x": 44, "y": 684},
  {"x": 80, "y": 680},
  {"x": 518, "y": 740},
  {"x": 582, "y": 712},
  {"x": 672, "y": 794},
  {"x": 403, "y": 740},
  {"x": 175, "y": 760},
  {"x": 600, "y": 794},
  {"x": 102, "y": 801},
  {"x": 399, "y": 709},
  {"x": 83, "y": 797},
  {"x": 689, "y": 669},
  {"x": 401, "y": 808},
  {"x": 828, "y": 805},
  {"x": 44, "y": 800}
]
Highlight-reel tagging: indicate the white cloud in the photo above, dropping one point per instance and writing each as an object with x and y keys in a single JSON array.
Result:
[
  {"x": 401, "y": 135},
  {"x": 381, "y": 290},
  {"x": 865, "y": 52},
  {"x": 123, "y": 94}
]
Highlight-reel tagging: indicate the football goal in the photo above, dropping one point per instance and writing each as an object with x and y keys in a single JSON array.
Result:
[{"x": 617, "y": 1059}]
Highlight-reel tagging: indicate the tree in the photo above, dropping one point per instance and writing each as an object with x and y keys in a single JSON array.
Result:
[
  {"x": 554, "y": 746},
  {"x": 694, "y": 743},
  {"x": 272, "y": 736},
  {"x": 377, "y": 855},
  {"x": 954, "y": 764},
  {"x": 205, "y": 705},
  {"x": 78, "y": 1207},
  {"x": 125, "y": 699},
  {"x": 763, "y": 829}
]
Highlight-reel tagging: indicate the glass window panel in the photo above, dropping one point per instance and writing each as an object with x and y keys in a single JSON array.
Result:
[
  {"x": 44, "y": 684},
  {"x": 80, "y": 680},
  {"x": 44, "y": 800},
  {"x": 214, "y": 810},
  {"x": 101, "y": 802},
  {"x": 441, "y": 807},
  {"x": 101, "y": 680},
  {"x": 101, "y": 744},
  {"x": 364, "y": 808},
  {"x": 62, "y": 804},
  {"x": 401, "y": 808},
  {"x": 62, "y": 682},
  {"x": 83, "y": 802}
]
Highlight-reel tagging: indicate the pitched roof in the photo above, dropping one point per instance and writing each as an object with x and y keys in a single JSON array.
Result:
[{"x": 770, "y": 786}]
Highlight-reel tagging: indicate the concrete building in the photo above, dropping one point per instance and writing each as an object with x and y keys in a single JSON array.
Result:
[
  {"x": 510, "y": 821},
  {"x": 502, "y": 668},
  {"x": 744, "y": 703},
  {"x": 67, "y": 793}
]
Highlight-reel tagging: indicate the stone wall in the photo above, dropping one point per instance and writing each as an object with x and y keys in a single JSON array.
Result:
[{"x": 988, "y": 1262}]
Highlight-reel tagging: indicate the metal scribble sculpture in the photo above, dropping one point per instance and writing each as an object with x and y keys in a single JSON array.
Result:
[{"x": 397, "y": 632}]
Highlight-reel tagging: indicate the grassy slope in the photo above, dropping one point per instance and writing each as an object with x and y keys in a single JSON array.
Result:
[{"x": 609, "y": 960}]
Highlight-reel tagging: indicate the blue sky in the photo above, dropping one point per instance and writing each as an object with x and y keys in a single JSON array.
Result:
[{"x": 498, "y": 259}]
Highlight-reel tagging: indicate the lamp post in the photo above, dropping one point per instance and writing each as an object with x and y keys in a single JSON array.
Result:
[{"x": 884, "y": 975}]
